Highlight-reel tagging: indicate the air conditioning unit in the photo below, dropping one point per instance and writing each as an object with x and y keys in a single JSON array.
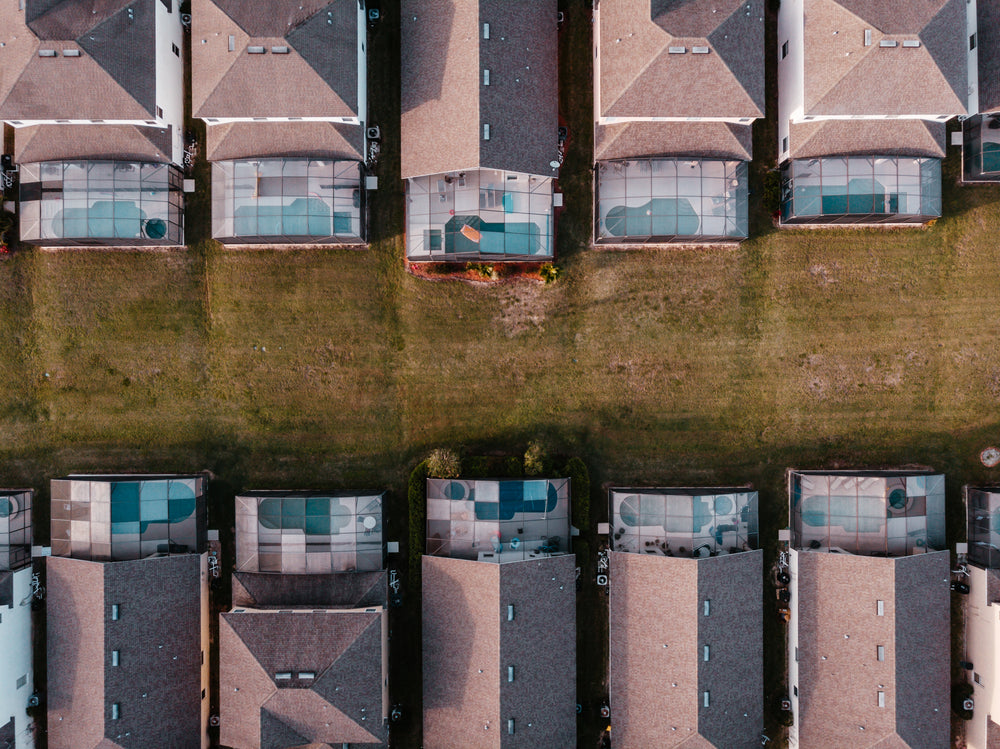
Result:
[
  {"x": 214, "y": 721},
  {"x": 373, "y": 14},
  {"x": 786, "y": 705},
  {"x": 186, "y": 20},
  {"x": 968, "y": 704},
  {"x": 374, "y": 133}
]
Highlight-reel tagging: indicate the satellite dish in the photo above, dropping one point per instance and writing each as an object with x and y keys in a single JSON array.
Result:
[{"x": 554, "y": 164}]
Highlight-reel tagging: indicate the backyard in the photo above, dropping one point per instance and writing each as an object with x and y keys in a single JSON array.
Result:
[{"x": 338, "y": 370}]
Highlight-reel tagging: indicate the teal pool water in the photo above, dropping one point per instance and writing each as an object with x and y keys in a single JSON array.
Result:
[
  {"x": 660, "y": 217},
  {"x": 315, "y": 516},
  {"x": 135, "y": 504}
]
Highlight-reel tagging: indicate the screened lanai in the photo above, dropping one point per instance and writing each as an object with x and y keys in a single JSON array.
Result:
[
  {"x": 123, "y": 203},
  {"x": 679, "y": 522},
  {"x": 868, "y": 513},
  {"x": 981, "y": 148},
  {"x": 117, "y": 518},
  {"x": 861, "y": 190},
  {"x": 497, "y": 520},
  {"x": 479, "y": 214},
  {"x": 287, "y": 201},
  {"x": 15, "y": 528},
  {"x": 983, "y": 506},
  {"x": 671, "y": 200},
  {"x": 308, "y": 532}
]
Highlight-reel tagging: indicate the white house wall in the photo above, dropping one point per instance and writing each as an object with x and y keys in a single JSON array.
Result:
[
  {"x": 15, "y": 644},
  {"x": 362, "y": 64},
  {"x": 793, "y": 644},
  {"x": 971, "y": 25},
  {"x": 982, "y": 621},
  {"x": 791, "y": 70},
  {"x": 170, "y": 74}
]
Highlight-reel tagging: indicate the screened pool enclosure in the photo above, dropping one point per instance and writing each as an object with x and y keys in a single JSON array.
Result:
[
  {"x": 497, "y": 520},
  {"x": 480, "y": 214},
  {"x": 287, "y": 201},
  {"x": 983, "y": 506},
  {"x": 861, "y": 190},
  {"x": 124, "y": 203},
  {"x": 671, "y": 200},
  {"x": 868, "y": 513},
  {"x": 307, "y": 532},
  {"x": 684, "y": 522},
  {"x": 981, "y": 148},
  {"x": 15, "y": 529},
  {"x": 118, "y": 518}
]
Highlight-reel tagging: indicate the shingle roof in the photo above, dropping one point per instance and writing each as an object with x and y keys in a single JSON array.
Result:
[
  {"x": 263, "y": 589},
  {"x": 444, "y": 101},
  {"x": 910, "y": 137},
  {"x": 318, "y": 77},
  {"x": 838, "y": 634},
  {"x": 988, "y": 40},
  {"x": 65, "y": 142},
  {"x": 468, "y": 645},
  {"x": 639, "y": 77},
  {"x": 844, "y": 77},
  {"x": 343, "y": 703},
  {"x": 158, "y": 635},
  {"x": 715, "y": 140},
  {"x": 658, "y": 629},
  {"x": 113, "y": 78},
  {"x": 244, "y": 140}
]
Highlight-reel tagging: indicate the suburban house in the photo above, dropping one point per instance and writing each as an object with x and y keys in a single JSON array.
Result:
[
  {"x": 677, "y": 87},
  {"x": 95, "y": 92},
  {"x": 303, "y": 654},
  {"x": 865, "y": 88},
  {"x": 686, "y": 618},
  {"x": 982, "y": 615},
  {"x": 283, "y": 92},
  {"x": 499, "y": 615},
  {"x": 127, "y": 613},
  {"x": 869, "y": 652},
  {"x": 480, "y": 128},
  {"x": 981, "y": 141},
  {"x": 17, "y": 677}
]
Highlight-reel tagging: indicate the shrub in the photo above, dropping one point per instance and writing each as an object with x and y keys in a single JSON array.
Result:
[
  {"x": 536, "y": 459},
  {"x": 577, "y": 471},
  {"x": 483, "y": 269},
  {"x": 443, "y": 463},
  {"x": 514, "y": 467},
  {"x": 550, "y": 272},
  {"x": 772, "y": 191},
  {"x": 417, "y": 500}
]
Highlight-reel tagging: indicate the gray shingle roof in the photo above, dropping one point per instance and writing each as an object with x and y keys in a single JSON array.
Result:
[
  {"x": 639, "y": 77},
  {"x": 845, "y": 77},
  {"x": 658, "y": 601},
  {"x": 243, "y": 140},
  {"x": 988, "y": 35},
  {"x": 318, "y": 77},
  {"x": 910, "y": 137},
  {"x": 341, "y": 704},
  {"x": 838, "y": 635},
  {"x": 114, "y": 78},
  {"x": 158, "y": 635},
  {"x": 66, "y": 142},
  {"x": 264, "y": 589},
  {"x": 444, "y": 102},
  {"x": 468, "y": 645}
]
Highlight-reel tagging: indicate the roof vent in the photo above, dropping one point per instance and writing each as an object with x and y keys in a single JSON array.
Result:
[
  {"x": 911, "y": 42},
  {"x": 700, "y": 50},
  {"x": 307, "y": 674},
  {"x": 283, "y": 675},
  {"x": 868, "y": 37},
  {"x": 676, "y": 50},
  {"x": 47, "y": 53},
  {"x": 888, "y": 43},
  {"x": 279, "y": 50},
  {"x": 260, "y": 50},
  {"x": 71, "y": 53}
]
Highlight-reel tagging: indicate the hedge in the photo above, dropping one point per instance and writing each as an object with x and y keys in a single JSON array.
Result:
[
  {"x": 417, "y": 498},
  {"x": 577, "y": 471}
]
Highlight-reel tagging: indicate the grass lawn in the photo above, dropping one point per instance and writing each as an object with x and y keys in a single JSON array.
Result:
[{"x": 335, "y": 369}]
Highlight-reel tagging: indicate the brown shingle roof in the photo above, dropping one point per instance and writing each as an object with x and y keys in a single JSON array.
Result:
[
  {"x": 444, "y": 101},
  {"x": 158, "y": 635},
  {"x": 318, "y": 77},
  {"x": 658, "y": 601},
  {"x": 265, "y": 589},
  {"x": 468, "y": 645},
  {"x": 710, "y": 140},
  {"x": 820, "y": 138},
  {"x": 844, "y": 77},
  {"x": 343, "y": 703},
  {"x": 838, "y": 633},
  {"x": 640, "y": 78},
  {"x": 64, "y": 142},
  {"x": 243, "y": 140},
  {"x": 113, "y": 78}
]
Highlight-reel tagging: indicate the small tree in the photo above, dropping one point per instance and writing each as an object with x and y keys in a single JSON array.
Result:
[
  {"x": 443, "y": 463},
  {"x": 535, "y": 459}
]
